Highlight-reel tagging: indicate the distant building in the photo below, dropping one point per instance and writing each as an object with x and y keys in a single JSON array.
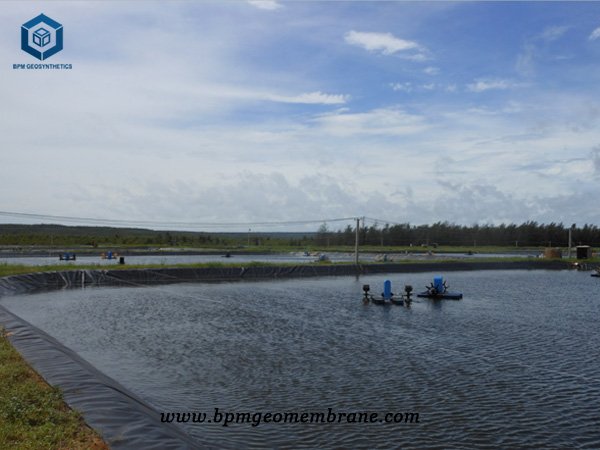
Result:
[{"x": 584, "y": 251}]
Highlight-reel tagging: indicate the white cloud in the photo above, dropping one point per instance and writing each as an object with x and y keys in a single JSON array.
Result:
[
  {"x": 538, "y": 47},
  {"x": 410, "y": 87},
  {"x": 198, "y": 116},
  {"x": 595, "y": 34},
  {"x": 404, "y": 87},
  {"x": 482, "y": 85},
  {"x": 385, "y": 43},
  {"x": 270, "y": 5},
  {"x": 311, "y": 98},
  {"x": 526, "y": 60},
  {"x": 418, "y": 57},
  {"x": 381, "y": 122},
  {"x": 553, "y": 33},
  {"x": 431, "y": 70}
]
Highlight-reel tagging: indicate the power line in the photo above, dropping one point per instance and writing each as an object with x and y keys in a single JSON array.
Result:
[
  {"x": 389, "y": 222},
  {"x": 150, "y": 223}
]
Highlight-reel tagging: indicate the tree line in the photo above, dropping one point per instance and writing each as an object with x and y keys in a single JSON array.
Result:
[{"x": 527, "y": 234}]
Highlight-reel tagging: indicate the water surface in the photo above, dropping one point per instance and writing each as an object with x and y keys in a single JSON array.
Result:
[
  {"x": 296, "y": 258},
  {"x": 515, "y": 364}
]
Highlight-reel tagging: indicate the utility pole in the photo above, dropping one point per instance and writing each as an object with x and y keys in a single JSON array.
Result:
[
  {"x": 570, "y": 241},
  {"x": 356, "y": 241}
]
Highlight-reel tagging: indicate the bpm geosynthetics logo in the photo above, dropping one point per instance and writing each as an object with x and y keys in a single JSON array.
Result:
[{"x": 42, "y": 37}]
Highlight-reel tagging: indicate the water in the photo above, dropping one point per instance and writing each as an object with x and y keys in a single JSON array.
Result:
[
  {"x": 296, "y": 258},
  {"x": 515, "y": 364},
  {"x": 160, "y": 259}
]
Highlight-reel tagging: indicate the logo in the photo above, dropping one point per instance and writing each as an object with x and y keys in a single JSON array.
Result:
[{"x": 42, "y": 37}]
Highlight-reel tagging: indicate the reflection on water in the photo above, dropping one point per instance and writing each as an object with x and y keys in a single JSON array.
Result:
[{"x": 515, "y": 364}]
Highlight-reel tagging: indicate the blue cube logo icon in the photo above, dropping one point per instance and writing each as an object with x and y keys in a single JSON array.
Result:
[{"x": 42, "y": 37}]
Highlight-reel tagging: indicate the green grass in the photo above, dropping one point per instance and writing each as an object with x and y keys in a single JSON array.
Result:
[
  {"x": 33, "y": 415},
  {"x": 419, "y": 249}
]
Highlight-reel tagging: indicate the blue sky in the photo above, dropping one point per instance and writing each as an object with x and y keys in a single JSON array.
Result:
[{"x": 263, "y": 111}]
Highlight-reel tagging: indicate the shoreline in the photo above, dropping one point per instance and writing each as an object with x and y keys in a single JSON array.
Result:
[
  {"x": 34, "y": 280},
  {"x": 25, "y": 252}
]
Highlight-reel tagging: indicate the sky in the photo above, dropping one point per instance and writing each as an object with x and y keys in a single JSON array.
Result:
[{"x": 258, "y": 111}]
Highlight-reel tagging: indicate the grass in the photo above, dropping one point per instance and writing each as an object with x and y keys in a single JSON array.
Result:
[
  {"x": 33, "y": 414},
  {"x": 421, "y": 249}
]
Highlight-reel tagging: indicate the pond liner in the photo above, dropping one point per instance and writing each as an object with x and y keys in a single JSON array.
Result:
[
  {"x": 121, "y": 418},
  {"x": 124, "y": 420},
  {"x": 126, "y": 277}
]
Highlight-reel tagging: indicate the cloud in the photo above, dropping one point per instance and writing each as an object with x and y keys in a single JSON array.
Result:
[
  {"x": 538, "y": 47},
  {"x": 478, "y": 203},
  {"x": 311, "y": 98},
  {"x": 526, "y": 60},
  {"x": 404, "y": 87},
  {"x": 487, "y": 84},
  {"x": 431, "y": 70},
  {"x": 238, "y": 94},
  {"x": 212, "y": 122},
  {"x": 386, "y": 44},
  {"x": 482, "y": 203},
  {"x": 595, "y": 34},
  {"x": 380, "y": 122},
  {"x": 245, "y": 196},
  {"x": 596, "y": 160},
  {"x": 270, "y": 5},
  {"x": 409, "y": 87},
  {"x": 553, "y": 33}
]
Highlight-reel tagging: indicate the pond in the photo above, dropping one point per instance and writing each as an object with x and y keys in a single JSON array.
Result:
[
  {"x": 515, "y": 364},
  {"x": 276, "y": 258}
]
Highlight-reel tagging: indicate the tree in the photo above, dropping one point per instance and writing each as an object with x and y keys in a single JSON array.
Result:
[{"x": 322, "y": 237}]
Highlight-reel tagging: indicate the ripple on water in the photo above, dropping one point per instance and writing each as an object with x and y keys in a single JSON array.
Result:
[{"x": 515, "y": 364}]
